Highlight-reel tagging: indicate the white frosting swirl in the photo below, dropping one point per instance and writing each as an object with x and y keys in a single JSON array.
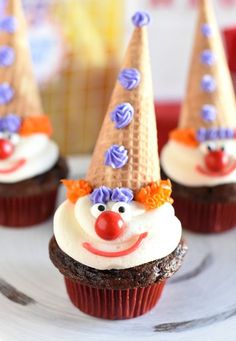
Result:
[
  {"x": 40, "y": 154},
  {"x": 74, "y": 225},
  {"x": 179, "y": 163}
]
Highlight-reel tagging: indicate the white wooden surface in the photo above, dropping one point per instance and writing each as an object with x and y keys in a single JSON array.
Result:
[{"x": 198, "y": 303}]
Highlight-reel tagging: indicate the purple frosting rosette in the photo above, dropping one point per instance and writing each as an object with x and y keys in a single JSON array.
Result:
[
  {"x": 7, "y": 56},
  {"x": 140, "y": 19},
  {"x": 208, "y": 57},
  {"x": 206, "y": 30},
  {"x": 212, "y": 134},
  {"x": 101, "y": 195},
  {"x": 8, "y": 24},
  {"x": 116, "y": 156},
  {"x": 122, "y": 194},
  {"x": 122, "y": 115},
  {"x": 129, "y": 78},
  {"x": 10, "y": 123},
  {"x": 208, "y": 83},
  {"x": 6, "y": 93},
  {"x": 208, "y": 113}
]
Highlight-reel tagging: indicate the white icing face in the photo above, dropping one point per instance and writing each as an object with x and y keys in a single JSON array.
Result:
[
  {"x": 211, "y": 163},
  {"x": 115, "y": 235},
  {"x": 25, "y": 157}
]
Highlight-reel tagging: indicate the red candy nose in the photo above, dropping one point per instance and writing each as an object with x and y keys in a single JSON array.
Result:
[
  {"x": 109, "y": 225},
  {"x": 6, "y": 149},
  {"x": 216, "y": 160}
]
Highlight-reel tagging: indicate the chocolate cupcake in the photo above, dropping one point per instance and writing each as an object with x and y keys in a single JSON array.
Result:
[
  {"x": 200, "y": 157},
  {"x": 116, "y": 239},
  {"x": 30, "y": 164}
]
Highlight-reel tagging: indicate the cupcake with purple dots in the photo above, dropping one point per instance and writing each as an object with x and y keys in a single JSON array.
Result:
[
  {"x": 30, "y": 164},
  {"x": 116, "y": 238},
  {"x": 200, "y": 156}
]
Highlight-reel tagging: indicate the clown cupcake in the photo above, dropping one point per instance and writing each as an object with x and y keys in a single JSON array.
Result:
[
  {"x": 116, "y": 239},
  {"x": 200, "y": 157},
  {"x": 30, "y": 165}
]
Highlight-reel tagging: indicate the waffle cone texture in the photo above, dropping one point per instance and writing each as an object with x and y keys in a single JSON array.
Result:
[
  {"x": 140, "y": 136},
  {"x": 19, "y": 75},
  {"x": 223, "y": 98}
]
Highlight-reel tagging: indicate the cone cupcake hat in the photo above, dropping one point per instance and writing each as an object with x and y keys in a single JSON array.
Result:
[
  {"x": 18, "y": 90},
  {"x": 126, "y": 151},
  {"x": 209, "y": 105}
]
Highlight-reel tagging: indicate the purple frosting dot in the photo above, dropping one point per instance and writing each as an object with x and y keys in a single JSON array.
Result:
[
  {"x": 6, "y": 93},
  {"x": 208, "y": 57},
  {"x": 140, "y": 19},
  {"x": 7, "y": 56},
  {"x": 229, "y": 133},
  {"x": 101, "y": 195},
  {"x": 208, "y": 83},
  {"x": 10, "y": 123},
  {"x": 226, "y": 133},
  {"x": 206, "y": 30},
  {"x": 212, "y": 134},
  {"x": 122, "y": 115},
  {"x": 122, "y": 194},
  {"x": 129, "y": 78},
  {"x": 116, "y": 156},
  {"x": 8, "y": 24},
  {"x": 208, "y": 113},
  {"x": 201, "y": 134}
]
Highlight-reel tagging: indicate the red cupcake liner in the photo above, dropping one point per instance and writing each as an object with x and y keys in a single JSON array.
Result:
[
  {"x": 204, "y": 217},
  {"x": 28, "y": 210},
  {"x": 113, "y": 304}
]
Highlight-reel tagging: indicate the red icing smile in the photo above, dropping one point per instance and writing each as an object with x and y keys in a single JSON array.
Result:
[
  {"x": 15, "y": 166},
  {"x": 211, "y": 173},
  {"x": 126, "y": 252}
]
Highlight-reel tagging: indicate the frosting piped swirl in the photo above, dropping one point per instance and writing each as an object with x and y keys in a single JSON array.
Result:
[
  {"x": 116, "y": 156},
  {"x": 122, "y": 194},
  {"x": 7, "y": 56},
  {"x": 122, "y": 115},
  {"x": 10, "y": 123},
  {"x": 129, "y": 78},
  {"x": 8, "y": 24},
  {"x": 140, "y": 19},
  {"x": 6, "y": 93},
  {"x": 100, "y": 195}
]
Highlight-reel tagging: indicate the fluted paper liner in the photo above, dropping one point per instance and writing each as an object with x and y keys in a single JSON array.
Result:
[
  {"x": 139, "y": 137},
  {"x": 223, "y": 98},
  {"x": 114, "y": 304},
  {"x": 19, "y": 75}
]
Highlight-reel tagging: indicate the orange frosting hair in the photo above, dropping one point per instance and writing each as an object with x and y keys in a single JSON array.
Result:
[
  {"x": 185, "y": 136},
  {"x": 36, "y": 124},
  {"x": 155, "y": 194},
  {"x": 76, "y": 189}
]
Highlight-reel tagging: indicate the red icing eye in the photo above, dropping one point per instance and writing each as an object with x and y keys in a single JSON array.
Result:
[
  {"x": 216, "y": 160},
  {"x": 6, "y": 149},
  {"x": 109, "y": 225}
]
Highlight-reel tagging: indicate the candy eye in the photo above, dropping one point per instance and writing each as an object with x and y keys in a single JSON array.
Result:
[
  {"x": 123, "y": 209},
  {"x": 97, "y": 209},
  {"x": 208, "y": 147},
  {"x": 14, "y": 138}
]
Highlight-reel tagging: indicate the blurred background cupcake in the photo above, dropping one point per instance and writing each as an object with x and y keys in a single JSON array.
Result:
[
  {"x": 30, "y": 163},
  {"x": 76, "y": 61}
]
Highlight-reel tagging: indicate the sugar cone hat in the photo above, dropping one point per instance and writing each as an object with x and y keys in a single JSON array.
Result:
[
  {"x": 18, "y": 89},
  {"x": 137, "y": 140},
  {"x": 210, "y": 99}
]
